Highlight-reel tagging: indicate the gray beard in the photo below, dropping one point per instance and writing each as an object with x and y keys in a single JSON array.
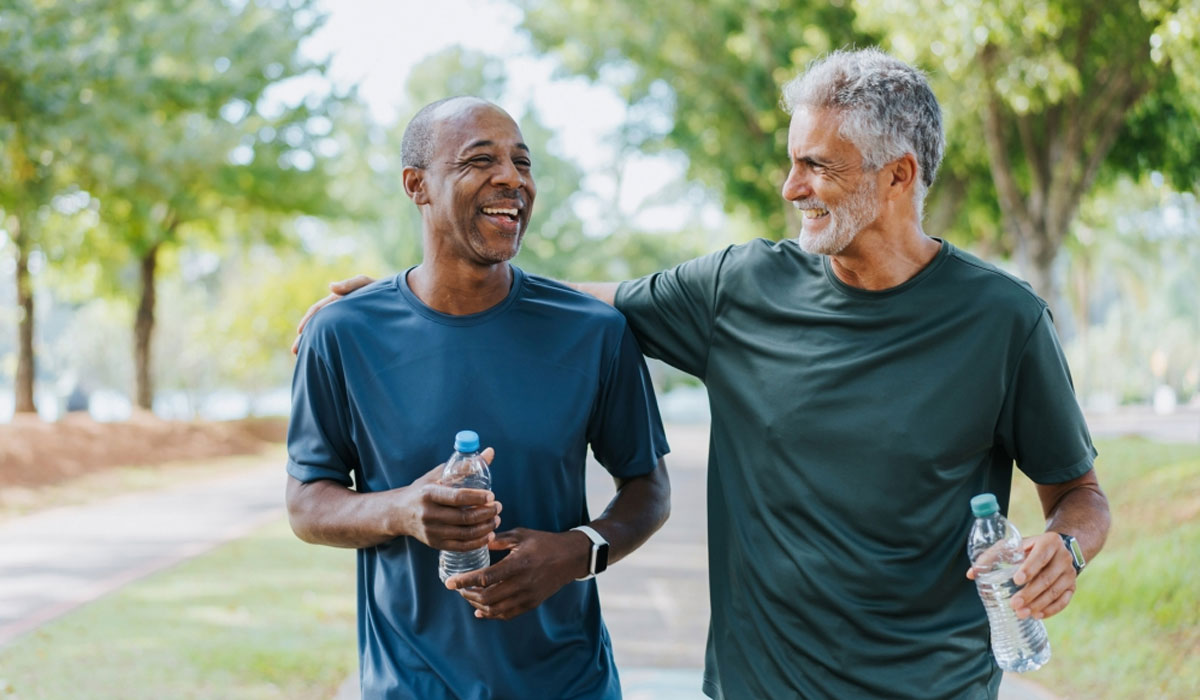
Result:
[{"x": 849, "y": 218}]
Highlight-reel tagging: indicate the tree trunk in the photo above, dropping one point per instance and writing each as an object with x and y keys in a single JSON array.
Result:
[
  {"x": 143, "y": 330},
  {"x": 25, "y": 358}
]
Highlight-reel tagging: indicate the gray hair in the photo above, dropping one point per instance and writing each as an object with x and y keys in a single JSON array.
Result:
[
  {"x": 416, "y": 147},
  {"x": 887, "y": 109}
]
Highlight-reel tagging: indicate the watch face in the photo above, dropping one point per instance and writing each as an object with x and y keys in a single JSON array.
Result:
[
  {"x": 1076, "y": 552},
  {"x": 601, "y": 558}
]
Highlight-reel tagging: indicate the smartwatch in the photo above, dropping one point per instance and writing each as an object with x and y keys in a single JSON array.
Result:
[
  {"x": 598, "y": 561},
  {"x": 1076, "y": 552}
]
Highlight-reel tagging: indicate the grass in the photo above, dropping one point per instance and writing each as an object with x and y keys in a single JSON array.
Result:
[
  {"x": 1133, "y": 628},
  {"x": 264, "y": 617}
]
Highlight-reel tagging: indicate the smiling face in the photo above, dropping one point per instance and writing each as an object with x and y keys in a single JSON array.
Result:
[
  {"x": 477, "y": 192},
  {"x": 827, "y": 183}
]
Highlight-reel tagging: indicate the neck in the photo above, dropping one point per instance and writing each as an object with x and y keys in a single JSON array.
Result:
[
  {"x": 878, "y": 259},
  {"x": 459, "y": 288}
]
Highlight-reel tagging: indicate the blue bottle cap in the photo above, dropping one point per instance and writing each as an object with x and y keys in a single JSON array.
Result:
[
  {"x": 466, "y": 441},
  {"x": 984, "y": 505}
]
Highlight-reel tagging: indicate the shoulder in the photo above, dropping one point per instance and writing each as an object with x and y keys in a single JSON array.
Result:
[
  {"x": 354, "y": 311},
  {"x": 553, "y": 297},
  {"x": 991, "y": 287}
]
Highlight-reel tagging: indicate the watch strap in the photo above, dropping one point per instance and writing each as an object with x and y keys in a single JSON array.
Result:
[
  {"x": 1075, "y": 551},
  {"x": 598, "y": 541}
]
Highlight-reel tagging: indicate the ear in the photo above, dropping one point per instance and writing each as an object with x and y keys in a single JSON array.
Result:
[
  {"x": 414, "y": 185},
  {"x": 902, "y": 176}
]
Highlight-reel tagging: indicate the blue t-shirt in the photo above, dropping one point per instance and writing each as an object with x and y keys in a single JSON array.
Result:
[{"x": 382, "y": 384}]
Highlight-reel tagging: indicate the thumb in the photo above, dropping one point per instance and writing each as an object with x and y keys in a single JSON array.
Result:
[
  {"x": 488, "y": 455},
  {"x": 432, "y": 476}
]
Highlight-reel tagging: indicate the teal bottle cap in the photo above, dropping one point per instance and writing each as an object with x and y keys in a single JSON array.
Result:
[
  {"x": 466, "y": 441},
  {"x": 984, "y": 505}
]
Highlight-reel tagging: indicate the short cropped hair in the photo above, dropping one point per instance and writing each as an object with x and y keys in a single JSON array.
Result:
[
  {"x": 886, "y": 105},
  {"x": 416, "y": 147}
]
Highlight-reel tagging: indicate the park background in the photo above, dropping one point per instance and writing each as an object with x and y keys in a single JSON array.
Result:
[{"x": 178, "y": 182}]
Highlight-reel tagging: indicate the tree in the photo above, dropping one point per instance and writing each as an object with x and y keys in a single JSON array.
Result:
[
  {"x": 705, "y": 83},
  {"x": 1057, "y": 92},
  {"x": 40, "y": 110},
  {"x": 190, "y": 143}
]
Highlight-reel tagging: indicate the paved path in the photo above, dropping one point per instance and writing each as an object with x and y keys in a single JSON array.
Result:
[{"x": 58, "y": 559}]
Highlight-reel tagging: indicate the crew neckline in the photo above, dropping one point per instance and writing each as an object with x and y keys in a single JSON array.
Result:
[
  {"x": 401, "y": 284},
  {"x": 850, "y": 290}
]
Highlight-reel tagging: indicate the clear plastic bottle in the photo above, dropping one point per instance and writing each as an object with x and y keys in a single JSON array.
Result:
[
  {"x": 465, "y": 470},
  {"x": 994, "y": 546}
]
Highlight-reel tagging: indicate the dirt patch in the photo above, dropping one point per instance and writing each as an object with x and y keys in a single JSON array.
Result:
[{"x": 35, "y": 453}]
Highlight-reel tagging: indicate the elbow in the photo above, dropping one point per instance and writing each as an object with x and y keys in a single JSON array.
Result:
[{"x": 300, "y": 510}]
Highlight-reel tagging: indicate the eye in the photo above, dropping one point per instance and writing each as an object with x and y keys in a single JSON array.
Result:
[
  {"x": 523, "y": 163},
  {"x": 481, "y": 160}
]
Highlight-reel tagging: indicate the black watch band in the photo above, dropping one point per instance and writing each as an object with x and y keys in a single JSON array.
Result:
[{"x": 1075, "y": 551}]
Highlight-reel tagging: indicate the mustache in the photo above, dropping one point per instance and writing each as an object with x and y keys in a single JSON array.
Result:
[{"x": 507, "y": 197}]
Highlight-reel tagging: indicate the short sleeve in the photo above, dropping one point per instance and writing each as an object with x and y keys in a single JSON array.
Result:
[
  {"x": 318, "y": 440},
  {"x": 672, "y": 312},
  {"x": 624, "y": 428},
  {"x": 1041, "y": 424}
]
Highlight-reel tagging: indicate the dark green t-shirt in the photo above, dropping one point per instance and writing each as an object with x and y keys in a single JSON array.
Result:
[{"x": 849, "y": 431}]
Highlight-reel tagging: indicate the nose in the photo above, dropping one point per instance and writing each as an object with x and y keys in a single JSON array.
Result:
[
  {"x": 507, "y": 174},
  {"x": 796, "y": 186}
]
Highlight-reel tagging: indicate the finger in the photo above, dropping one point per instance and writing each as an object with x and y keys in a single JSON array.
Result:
[
  {"x": 479, "y": 578},
  {"x": 312, "y": 311},
  {"x": 1036, "y": 559},
  {"x": 971, "y": 573},
  {"x": 1055, "y": 606},
  {"x": 509, "y": 539},
  {"x": 344, "y": 287},
  {"x": 296, "y": 346},
  {"x": 1037, "y": 605},
  {"x": 431, "y": 476},
  {"x": 459, "y": 498},
  {"x": 487, "y": 455}
]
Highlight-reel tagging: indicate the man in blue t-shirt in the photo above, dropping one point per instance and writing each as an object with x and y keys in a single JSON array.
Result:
[{"x": 465, "y": 340}]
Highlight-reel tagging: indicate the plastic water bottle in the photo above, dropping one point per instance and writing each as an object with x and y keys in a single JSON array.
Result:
[
  {"x": 995, "y": 550},
  {"x": 465, "y": 470}
]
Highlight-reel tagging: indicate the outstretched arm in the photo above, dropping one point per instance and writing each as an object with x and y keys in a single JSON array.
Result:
[
  {"x": 325, "y": 512},
  {"x": 604, "y": 291},
  {"x": 540, "y": 563}
]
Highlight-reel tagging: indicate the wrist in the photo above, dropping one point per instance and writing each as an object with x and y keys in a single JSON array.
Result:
[{"x": 597, "y": 552}]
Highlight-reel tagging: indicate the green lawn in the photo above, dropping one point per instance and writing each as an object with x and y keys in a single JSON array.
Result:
[
  {"x": 1133, "y": 628},
  {"x": 264, "y": 617}
]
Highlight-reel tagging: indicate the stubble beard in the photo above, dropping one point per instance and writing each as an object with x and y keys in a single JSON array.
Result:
[{"x": 849, "y": 218}]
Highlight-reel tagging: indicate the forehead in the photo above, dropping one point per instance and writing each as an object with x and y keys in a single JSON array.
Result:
[
  {"x": 815, "y": 131},
  {"x": 459, "y": 126}
]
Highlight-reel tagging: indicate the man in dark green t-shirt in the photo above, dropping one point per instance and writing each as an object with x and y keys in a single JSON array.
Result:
[{"x": 866, "y": 381}]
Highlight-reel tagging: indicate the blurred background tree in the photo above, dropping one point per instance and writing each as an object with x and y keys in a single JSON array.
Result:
[{"x": 189, "y": 168}]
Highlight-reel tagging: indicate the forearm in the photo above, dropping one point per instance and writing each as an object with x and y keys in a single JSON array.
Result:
[
  {"x": 1081, "y": 511},
  {"x": 639, "y": 508},
  {"x": 604, "y": 291},
  {"x": 325, "y": 512}
]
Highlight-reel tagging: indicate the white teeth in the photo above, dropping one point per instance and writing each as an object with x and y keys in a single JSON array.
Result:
[
  {"x": 494, "y": 210},
  {"x": 814, "y": 213}
]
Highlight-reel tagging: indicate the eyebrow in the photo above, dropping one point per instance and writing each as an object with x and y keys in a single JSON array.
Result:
[{"x": 484, "y": 143}]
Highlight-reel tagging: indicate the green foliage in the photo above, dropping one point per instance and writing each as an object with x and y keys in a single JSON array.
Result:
[
  {"x": 1134, "y": 624},
  {"x": 705, "y": 82},
  {"x": 264, "y": 617}
]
